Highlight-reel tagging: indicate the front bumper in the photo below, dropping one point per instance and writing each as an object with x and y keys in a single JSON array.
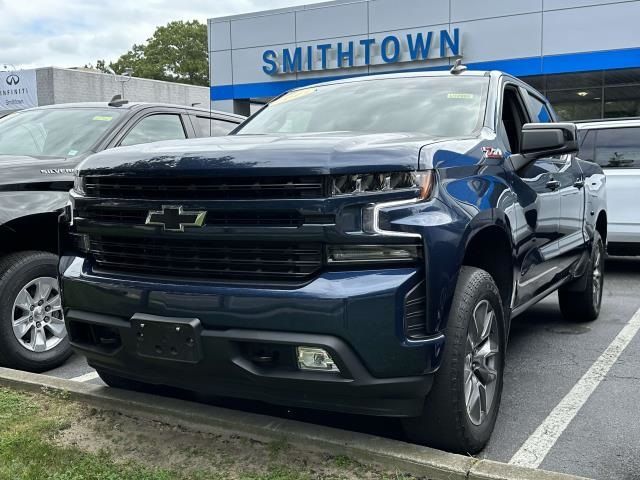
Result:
[{"x": 356, "y": 316}]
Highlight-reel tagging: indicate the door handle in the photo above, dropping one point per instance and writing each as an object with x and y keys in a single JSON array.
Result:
[
  {"x": 579, "y": 183},
  {"x": 553, "y": 184}
]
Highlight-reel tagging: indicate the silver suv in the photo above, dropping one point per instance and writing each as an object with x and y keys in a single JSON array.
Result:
[{"x": 615, "y": 146}]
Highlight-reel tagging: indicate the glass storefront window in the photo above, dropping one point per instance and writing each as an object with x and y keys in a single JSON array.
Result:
[
  {"x": 536, "y": 82},
  {"x": 574, "y": 80},
  {"x": 622, "y": 102},
  {"x": 578, "y": 104},
  {"x": 591, "y": 95},
  {"x": 622, "y": 77}
]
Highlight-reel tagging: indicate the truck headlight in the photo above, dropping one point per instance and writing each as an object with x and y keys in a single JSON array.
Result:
[
  {"x": 351, "y": 184},
  {"x": 78, "y": 184}
]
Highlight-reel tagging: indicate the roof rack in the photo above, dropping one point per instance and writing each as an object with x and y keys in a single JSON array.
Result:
[{"x": 117, "y": 101}]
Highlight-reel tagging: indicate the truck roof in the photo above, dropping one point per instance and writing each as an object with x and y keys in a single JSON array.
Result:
[
  {"x": 608, "y": 123},
  {"x": 131, "y": 106},
  {"x": 385, "y": 76}
]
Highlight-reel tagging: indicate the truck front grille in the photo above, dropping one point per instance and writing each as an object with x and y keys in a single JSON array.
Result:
[
  {"x": 217, "y": 218},
  {"x": 207, "y": 259},
  {"x": 205, "y": 187}
]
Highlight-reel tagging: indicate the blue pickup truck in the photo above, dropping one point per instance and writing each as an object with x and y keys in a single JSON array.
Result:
[{"x": 357, "y": 246}]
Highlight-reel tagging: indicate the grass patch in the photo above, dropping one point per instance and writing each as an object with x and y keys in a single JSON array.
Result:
[{"x": 47, "y": 436}]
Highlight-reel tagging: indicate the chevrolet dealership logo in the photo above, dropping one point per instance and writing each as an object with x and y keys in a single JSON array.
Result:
[{"x": 174, "y": 218}]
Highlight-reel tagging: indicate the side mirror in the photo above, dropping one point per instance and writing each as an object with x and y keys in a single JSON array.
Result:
[
  {"x": 549, "y": 139},
  {"x": 545, "y": 140}
]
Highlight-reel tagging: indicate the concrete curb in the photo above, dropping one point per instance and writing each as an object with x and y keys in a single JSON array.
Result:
[{"x": 391, "y": 454}]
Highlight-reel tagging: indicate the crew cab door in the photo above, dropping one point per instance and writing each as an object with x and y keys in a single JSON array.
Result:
[
  {"x": 568, "y": 180},
  {"x": 538, "y": 209},
  {"x": 571, "y": 240}
]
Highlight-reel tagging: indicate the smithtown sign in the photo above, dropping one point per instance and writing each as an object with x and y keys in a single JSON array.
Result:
[{"x": 411, "y": 47}]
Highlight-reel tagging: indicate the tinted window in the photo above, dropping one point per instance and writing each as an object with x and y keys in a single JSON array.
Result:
[
  {"x": 54, "y": 132},
  {"x": 586, "y": 140},
  {"x": 211, "y": 127},
  {"x": 513, "y": 118},
  {"x": 439, "y": 106},
  {"x": 155, "y": 128},
  {"x": 540, "y": 111},
  {"x": 618, "y": 147}
]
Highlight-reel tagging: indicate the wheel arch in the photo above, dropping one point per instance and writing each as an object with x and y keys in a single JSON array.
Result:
[
  {"x": 490, "y": 247},
  {"x": 601, "y": 225},
  {"x": 476, "y": 246},
  {"x": 31, "y": 232}
]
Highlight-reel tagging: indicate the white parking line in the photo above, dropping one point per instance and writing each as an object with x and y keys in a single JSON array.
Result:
[
  {"x": 538, "y": 445},
  {"x": 87, "y": 377}
]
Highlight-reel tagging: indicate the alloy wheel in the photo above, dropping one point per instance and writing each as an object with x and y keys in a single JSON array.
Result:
[
  {"x": 37, "y": 320},
  {"x": 597, "y": 278},
  {"x": 481, "y": 362}
]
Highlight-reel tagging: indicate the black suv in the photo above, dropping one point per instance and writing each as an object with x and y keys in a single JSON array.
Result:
[
  {"x": 358, "y": 246},
  {"x": 39, "y": 150}
]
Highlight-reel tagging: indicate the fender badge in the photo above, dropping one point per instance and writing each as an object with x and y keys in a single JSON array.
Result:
[
  {"x": 57, "y": 171},
  {"x": 491, "y": 152}
]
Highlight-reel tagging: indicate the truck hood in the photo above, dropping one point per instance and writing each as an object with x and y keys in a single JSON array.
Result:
[
  {"x": 20, "y": 170},
  {"x": 243, "y": 154}
]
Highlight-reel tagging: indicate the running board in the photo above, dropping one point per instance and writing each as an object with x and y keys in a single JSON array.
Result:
[{"x": 518, "y": 310}]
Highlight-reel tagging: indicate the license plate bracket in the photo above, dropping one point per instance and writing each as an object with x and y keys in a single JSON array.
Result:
[{"x": 168, "y": 338}]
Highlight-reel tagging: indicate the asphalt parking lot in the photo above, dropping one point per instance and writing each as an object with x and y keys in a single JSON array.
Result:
[{"x": 561, "y": 401}]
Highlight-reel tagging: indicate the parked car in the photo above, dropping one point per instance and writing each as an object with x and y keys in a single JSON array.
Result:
[
  {"x": 615, "y": 146},
  {"x": 39, "y": 150},
  {"x": 357, "y": 246}
]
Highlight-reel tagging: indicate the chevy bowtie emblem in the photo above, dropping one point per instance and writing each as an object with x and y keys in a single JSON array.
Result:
[{"x": 174, "y": 218}]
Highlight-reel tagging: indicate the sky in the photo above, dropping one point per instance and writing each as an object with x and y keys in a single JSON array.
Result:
[{"x": 72, "y": 33}]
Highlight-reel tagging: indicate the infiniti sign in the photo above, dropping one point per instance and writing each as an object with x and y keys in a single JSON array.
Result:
[{"x": 18, "y": 89}]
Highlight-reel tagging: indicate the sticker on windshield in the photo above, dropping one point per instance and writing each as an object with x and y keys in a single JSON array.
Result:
[
  {"x": 72, "y": 153},
  {"x": 460, "y": 96},
  {"x": 293, "y": 96},
  {"x": 102, "y": 118}
]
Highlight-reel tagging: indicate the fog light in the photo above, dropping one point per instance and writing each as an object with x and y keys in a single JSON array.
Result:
[
  {"x": 311, "y": 358},
  {"x": 372, "y": 253}
]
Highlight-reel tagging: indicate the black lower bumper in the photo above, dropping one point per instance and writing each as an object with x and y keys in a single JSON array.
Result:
[{"x": 250, "y": 364}]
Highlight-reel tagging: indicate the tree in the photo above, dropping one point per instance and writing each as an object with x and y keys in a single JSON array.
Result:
[{"x": 176, "y": 52}]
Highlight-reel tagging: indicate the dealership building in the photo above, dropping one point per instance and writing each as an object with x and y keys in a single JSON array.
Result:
[
  {"x": 584, "y": 55},
  {"x": 20, "y": 89}
]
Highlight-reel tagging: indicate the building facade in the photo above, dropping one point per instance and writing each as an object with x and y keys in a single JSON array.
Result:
[
  {"x": 583, "y": 54},
  {"x": 48, "y": 86}
]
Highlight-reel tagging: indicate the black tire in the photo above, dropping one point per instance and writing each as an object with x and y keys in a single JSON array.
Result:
[
  {"x": 16, "y": 271},
  {"x": 584, "y": 305},
  {"x": 446, "y": 423}
]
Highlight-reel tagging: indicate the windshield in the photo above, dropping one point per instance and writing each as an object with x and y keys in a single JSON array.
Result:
[
  {"x": 55, "y": 132},
  {"x": 439, "y": 106}
]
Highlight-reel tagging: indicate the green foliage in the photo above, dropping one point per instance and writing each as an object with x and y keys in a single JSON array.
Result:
[{"x": 177, "y": 52}]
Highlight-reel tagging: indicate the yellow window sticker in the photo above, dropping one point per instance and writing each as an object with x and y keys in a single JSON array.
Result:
[
  {"x": 102, "y": 118},
  {"x": 460, "y": 96},
  {"x": 293, "y": 96}
]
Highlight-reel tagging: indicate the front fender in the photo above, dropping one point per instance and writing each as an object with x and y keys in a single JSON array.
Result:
[
  {"x": 462, "y": 209},
  {"x": 14, "y": 205}
]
